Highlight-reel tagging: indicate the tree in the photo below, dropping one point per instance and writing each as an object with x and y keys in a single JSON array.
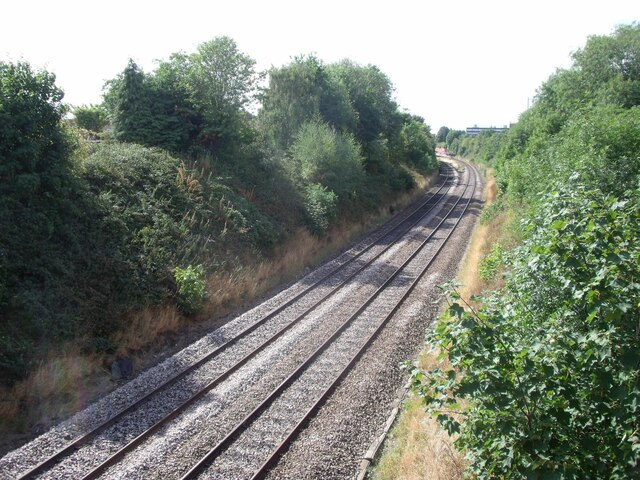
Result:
[
  {"x": 321, "y": 155},
  {"x": 130, "y": 98},
  {"x": 33, "y": 151},
  {"x": 371, "y": 94},
  {"x": 221, "y": 82},
  {"x": 418, "y": 143},
  {"x": 610, "y": 66},
  {"x": 38, "y": 208},
  {"x": 301, "y": 92},
  {"x": 193, "y": 100},
  {"x": 441, "y": 136},
  {"x": 91, "y": 117},
  {"x": 453, "y": 135}
]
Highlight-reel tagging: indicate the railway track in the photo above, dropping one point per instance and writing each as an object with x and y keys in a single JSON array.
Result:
[{"x": 249, "y": 395}]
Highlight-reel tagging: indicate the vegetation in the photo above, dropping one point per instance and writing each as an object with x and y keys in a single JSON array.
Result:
[
  {"x": 91, "y": 117},
  {"x": 541, "y": 379},
  {"x": 187, "y": 189}
]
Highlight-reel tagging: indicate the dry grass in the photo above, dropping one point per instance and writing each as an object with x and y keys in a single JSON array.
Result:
[
  {"x": 60, "y": 386},
  {"x": 417, "y": 447},
  {"x": 146, "y": 326},
  {"x": 483, "y": 239},
  {"x": 66, "y": 382}
]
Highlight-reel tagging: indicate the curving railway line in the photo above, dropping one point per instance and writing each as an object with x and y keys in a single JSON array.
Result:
[{"x": 232, "y": 404}]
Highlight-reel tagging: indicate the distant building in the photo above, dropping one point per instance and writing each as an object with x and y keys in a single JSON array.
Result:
[{"x": 478, "y": 130}]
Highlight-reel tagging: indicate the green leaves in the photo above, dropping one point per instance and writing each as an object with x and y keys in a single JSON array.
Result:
[
  {"x": 549, "y": 369},
  {"x": 321, "y": 206},
  {"x": 191, "y": 288}
]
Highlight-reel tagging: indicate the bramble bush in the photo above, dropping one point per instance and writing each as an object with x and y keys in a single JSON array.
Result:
[
  {"x": 544, "y": 378},
  {"x": 321, "y": 205},
  {"x": 191, "y": 288}
]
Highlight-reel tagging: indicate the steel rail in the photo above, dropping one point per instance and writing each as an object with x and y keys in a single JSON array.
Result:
[
  {"x": 257, "y": 411},
  {"x": 118, "y": 455},
  {"x": 86, "y": 437},
  {"x": 273, "y": 458}
]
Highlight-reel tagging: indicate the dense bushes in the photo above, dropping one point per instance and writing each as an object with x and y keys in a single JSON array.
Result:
[
  {"x": 187, "y": 182},
  {"x": 42, "y": 224},
  {"x": 138, "y": 214},
  {"x": 545, "y": 374}
]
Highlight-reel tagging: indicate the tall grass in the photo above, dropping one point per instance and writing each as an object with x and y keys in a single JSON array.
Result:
[{"x": 417, "y": 447}]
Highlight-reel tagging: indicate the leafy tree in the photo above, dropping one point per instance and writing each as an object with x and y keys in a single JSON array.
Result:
[
  {"x": 321, "y": 155},
  {"x": 371, "y": 94},
  {"x": 301, "y": 92},
  {"x": 441, "y": 136},
  {"x": 609, "y": 66},
  {"x": 131, "y": 101},
  {"x": 452, "y": 135},
  {"x": 33, "y": 149},
  {"x": 196, "y": 100},
  {"x": 38, "y": 208},
  {"x": 221, "y": 82},
  {"x": 91, "y": 117},
  {"x": 418, "y": 143}
]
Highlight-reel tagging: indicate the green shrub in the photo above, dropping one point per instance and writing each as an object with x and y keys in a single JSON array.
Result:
[
  {"x": 492, "y": 211},
  {"x": 321, "y": 205},
  {"x": 400, "y": 180},
  {"x": 491, "y": 263},
  {"x": 191, "y": 288},
  {"x": 546, "y": 375},
  {"x": 323, "y": 156}
]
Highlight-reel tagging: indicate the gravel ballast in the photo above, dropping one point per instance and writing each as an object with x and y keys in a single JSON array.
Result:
[{"x": 335, "y": 440}]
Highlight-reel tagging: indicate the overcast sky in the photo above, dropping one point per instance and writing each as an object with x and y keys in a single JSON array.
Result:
[{"x": 455, "y": 62}]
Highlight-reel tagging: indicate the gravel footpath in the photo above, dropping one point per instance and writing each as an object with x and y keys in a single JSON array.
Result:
[{"x": 198, "y": 428}]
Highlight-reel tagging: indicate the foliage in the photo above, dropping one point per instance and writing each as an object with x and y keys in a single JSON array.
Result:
[
  {"x": 320, "y": 206},
  {"x": 91, "y": 117},
  {"x": 191, "y": 288},
  {"x": 546, "y": 376},
  {"x": 221, "y": 83},
  {"x": 491, "y": 263},
  {"x": 301, "y": 92},
  {"x": 585, "y": 118},
  {"x": 371, "y": 94},
  {"x": 40, "y": 222},
  {"x": 441, "y": 136},
  {"x": 451, "y": 137},
  {"x": 418, "y": 144},
  {"x": 324, "y": 156},
  {"x": 191, "y": 102},
  {"x": 33, "y": 149},
  {"x": 327, "y": 167}
]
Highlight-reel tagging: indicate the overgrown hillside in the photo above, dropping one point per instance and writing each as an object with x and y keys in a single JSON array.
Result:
[
  {"x": 173, "y": 181},
  {"x": 543, "y": 379}
]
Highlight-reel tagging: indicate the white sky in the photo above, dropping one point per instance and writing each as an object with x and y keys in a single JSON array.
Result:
[{"x": 455, "y": 62}]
